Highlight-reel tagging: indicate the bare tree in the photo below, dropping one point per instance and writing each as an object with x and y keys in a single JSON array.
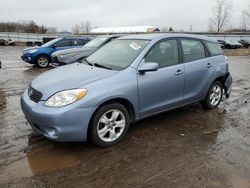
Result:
[
  {"x": 76, "y": 29},
  {"x": 221, "y": 14},
  {"x": 87, "y": 26},
  {"x": 83, "y": 27},
  {"x": 245, "y": 19}
]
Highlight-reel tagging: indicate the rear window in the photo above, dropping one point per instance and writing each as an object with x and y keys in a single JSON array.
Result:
[
  {"x": 193, "y": 50},
  {"x": 214, "y": 48}
]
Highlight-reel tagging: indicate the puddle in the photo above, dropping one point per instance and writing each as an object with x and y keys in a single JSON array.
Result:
[{"x": 41, "y": 162}]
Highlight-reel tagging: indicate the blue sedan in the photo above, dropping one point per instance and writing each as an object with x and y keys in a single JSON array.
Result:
[
  {"x": 128, "y": 79},
  {"x": 41, "y": 55}
]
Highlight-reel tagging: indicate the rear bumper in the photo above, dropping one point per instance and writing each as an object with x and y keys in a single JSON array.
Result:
[
  {"x": 66, "y": 124},
  {"x": 228, "y": 85}
]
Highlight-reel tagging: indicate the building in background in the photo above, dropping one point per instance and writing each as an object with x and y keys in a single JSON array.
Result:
[{"x": 126, "y": 29}]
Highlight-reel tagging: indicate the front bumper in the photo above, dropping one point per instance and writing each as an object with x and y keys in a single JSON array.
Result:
[
  {"x": 66, "y": 124},
  {"x": 28, "y": 58},
  {"x": 56, "y": 61}
]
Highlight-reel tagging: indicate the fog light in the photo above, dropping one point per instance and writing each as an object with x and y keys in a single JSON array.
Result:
[{"x": 53, "y": 133}]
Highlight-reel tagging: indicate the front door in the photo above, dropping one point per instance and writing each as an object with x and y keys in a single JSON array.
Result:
[{"x": 162, "y": 89}]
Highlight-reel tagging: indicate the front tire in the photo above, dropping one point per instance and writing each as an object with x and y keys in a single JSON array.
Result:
[
  {"x": 214, "y": 96},
  {"x": 110, "y": 125},
  {"x": 43, "y": 61}
]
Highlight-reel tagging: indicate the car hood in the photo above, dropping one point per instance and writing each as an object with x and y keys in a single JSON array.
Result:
[
  {"x": 32, "y": 48},
  {"x": 68, "y": 77},
  {"x": 72, "y": 50}
]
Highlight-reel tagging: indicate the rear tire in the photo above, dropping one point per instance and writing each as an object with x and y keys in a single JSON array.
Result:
[
  {"x": 214, "y": 96},
  {"x": 110, "y": 125},
  {"x": 42, "y": 61}
]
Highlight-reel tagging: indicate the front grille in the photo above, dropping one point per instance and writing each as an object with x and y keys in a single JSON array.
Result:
[{"x": 34, "y": 94}]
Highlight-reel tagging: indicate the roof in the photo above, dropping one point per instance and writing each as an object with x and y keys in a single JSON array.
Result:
[
  {"x": 111, "y": 36},
  {"x": 153, "y": 36},
  {"x": 76, "y": 37},
  {"x": 125, "y": 29}
]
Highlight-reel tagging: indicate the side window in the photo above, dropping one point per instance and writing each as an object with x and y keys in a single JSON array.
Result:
[
  {"x": 192, "y": 50},
  {"x": 164, "y": 53},
  {"x": 63, "y": 42},
  {"x": 78, "y": 42},
  {"x": 214, "y": 48}
]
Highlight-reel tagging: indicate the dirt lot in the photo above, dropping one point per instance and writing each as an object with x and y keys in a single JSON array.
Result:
[{"x": 188, "y": 147}]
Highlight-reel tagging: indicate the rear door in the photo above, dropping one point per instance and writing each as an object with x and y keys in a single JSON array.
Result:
[
  {"x": 199, "y": 69},
  {"x": 162, "y": 89}
]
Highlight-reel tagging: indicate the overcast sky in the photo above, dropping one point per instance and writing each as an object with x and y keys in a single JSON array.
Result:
[{"x": 63, "y": 14}]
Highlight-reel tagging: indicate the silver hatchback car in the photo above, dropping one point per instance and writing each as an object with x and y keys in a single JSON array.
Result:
[{"x": 128, "y": 79}]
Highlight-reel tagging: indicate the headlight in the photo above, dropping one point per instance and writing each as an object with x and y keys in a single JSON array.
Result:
[
  {"x": 31, "y": 51},
  {"x": 64, "y": 98}
]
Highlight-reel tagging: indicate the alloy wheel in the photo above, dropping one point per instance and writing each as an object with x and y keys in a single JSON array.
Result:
[
  {"x": 42, "y": 61},
  {"x": 111, "y": 125},
  {"x": 215, "y": 95}
]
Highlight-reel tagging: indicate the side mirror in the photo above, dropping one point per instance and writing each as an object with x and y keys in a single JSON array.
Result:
[
  {"x": 54, "y": 46},
  {"x": 148, "y": 67}
]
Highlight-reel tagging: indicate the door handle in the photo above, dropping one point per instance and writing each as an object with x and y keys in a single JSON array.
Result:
[
  {"x": 209, "y": 65},
  {"x": 178, "y": 72}
]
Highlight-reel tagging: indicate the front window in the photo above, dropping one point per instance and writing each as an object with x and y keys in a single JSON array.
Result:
[
  {"x": 50, "y": 43},
  {"x": 118, "y": 54},
  {"x": 164, "y": 53}
]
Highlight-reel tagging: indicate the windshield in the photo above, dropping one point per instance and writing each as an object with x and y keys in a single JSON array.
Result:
[
  {"x": 97, "y": 42},
  {"x": 118, "y": 54},
  {"x": 47, "y": 44}
]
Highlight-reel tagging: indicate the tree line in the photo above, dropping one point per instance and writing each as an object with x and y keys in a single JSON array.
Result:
[{"x": 22, "y": 27}]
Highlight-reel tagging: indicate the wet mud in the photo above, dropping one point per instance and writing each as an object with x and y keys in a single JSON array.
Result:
[{"x": 187, "y": 147}]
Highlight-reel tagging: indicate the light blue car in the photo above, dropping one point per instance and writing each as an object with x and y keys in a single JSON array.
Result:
[{"x": 128, "y": 79}]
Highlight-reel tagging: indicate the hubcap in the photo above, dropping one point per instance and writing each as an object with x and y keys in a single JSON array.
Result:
[
  {"x": 42, "y": 61},
  {"x": 215, "y": 95},
  {"x": 111, "y": 125}
]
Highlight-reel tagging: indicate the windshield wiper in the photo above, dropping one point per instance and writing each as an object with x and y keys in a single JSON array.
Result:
[
  {"x": 96, "y": 64},
  {"x": 87, "y": 62},
  {"x": 102, "y": 66}
]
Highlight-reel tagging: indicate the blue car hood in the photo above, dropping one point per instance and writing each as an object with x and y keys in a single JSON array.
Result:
[
  {"x": 68, "y": 77},
  {"x": 32, "y": 48}
]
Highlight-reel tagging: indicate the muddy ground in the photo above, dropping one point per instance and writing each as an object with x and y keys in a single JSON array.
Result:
[{"x": 188, "y": 147}]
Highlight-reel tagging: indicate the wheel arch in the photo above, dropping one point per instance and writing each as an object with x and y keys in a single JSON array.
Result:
[
  {"x": 125, "y": 102},
  {"x": 222, "y": 80},
  {"x": 43, "y": 54}
]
